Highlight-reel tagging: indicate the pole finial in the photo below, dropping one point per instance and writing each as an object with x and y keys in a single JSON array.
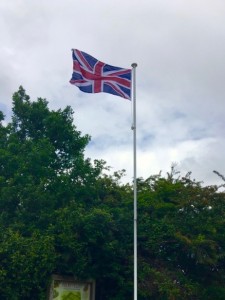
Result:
[{"x": 134, "y": 65}]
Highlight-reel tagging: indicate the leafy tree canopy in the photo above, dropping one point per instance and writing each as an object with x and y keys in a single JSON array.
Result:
[{"x": 61, "y": 214}]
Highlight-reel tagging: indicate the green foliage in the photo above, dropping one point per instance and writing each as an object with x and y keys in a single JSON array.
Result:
[
  {"x": 60, "y": 214},
  {"x": 181, "y": 238},
  {"x": 58, "y": 211},
  {"x": 26, "y": 264}
]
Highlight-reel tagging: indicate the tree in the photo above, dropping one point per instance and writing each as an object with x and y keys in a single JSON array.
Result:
[
  {"x": 42, "y": 161},
  {"x": 42, "y": 169},
  {"x": 61, "y": 214},
  {"x": 181, "y": 239}
]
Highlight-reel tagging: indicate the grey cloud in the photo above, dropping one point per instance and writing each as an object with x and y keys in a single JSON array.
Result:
[{"x": 179, "y": 47}]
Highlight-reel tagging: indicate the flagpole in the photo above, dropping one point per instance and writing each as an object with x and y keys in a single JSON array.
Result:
[{"x": 134, "y": 65}]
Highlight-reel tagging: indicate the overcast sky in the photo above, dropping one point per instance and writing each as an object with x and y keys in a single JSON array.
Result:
[{"x": 179, "y": 46}]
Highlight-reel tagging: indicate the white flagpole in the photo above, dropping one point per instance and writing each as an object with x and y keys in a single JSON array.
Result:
[{"x": 134, "y": 65}]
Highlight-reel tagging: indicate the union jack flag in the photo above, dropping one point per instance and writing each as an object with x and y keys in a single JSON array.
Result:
[{"x": 93, "y": 76}]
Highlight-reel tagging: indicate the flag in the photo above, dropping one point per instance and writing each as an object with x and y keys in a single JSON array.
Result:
[{"x": 93, "y": 76}]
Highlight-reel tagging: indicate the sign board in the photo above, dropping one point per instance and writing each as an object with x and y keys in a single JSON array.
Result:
[{"x": 67, "y": 288}]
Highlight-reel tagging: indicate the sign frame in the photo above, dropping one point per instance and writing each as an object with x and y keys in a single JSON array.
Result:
[{"x": 66, "y": 285}]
